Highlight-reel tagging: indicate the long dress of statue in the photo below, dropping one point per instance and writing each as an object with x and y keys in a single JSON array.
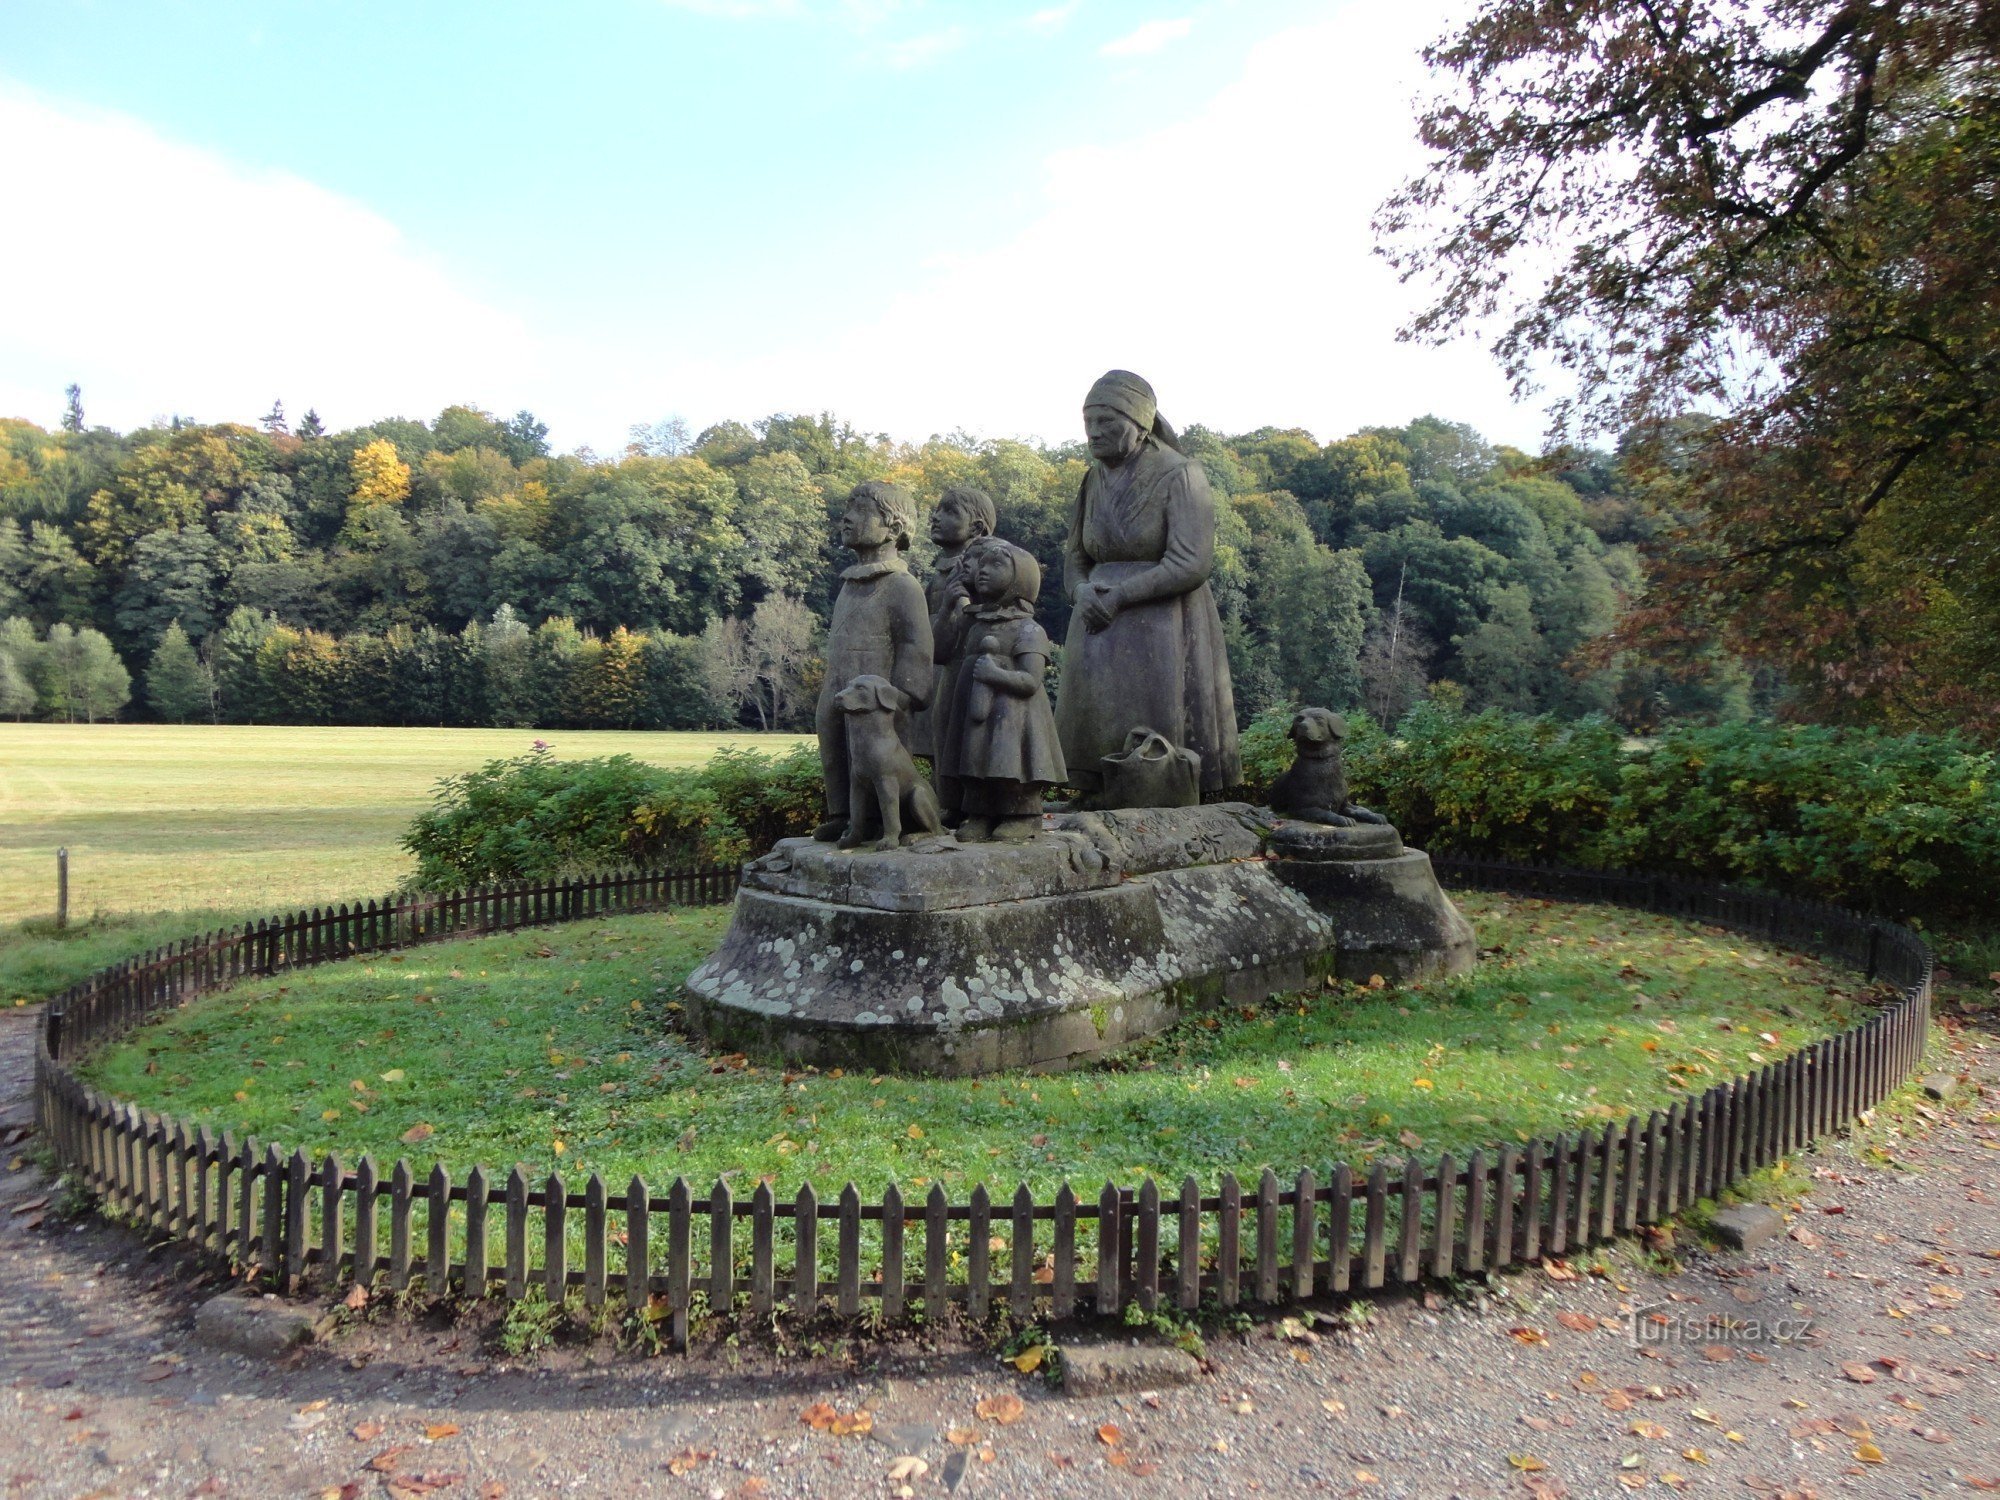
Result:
[{"x": 1145, "y": 645}]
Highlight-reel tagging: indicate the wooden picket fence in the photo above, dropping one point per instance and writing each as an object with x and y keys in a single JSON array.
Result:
[{"x": 292, "y": 1222}]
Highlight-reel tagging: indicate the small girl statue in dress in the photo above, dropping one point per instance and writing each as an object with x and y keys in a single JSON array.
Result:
[{"x": 998, "y": 734}]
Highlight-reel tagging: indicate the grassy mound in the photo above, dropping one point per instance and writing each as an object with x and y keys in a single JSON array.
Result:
[{"x": 560, "y": 1049}]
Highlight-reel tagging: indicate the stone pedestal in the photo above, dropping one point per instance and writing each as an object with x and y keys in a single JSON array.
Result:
[{"x": 961, "y": 959}]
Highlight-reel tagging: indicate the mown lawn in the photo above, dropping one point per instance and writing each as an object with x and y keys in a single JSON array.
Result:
[
  {"x": 242, "y": 817},
  {"x": 559, "y": 1048}
]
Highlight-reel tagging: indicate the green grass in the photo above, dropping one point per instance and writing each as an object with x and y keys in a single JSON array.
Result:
[
  {"x": 231, "y": 817},
  {"x": 558, "y": 1049}
]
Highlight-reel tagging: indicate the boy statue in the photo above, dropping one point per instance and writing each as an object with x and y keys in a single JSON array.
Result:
[{"x": 881, "y": 628}]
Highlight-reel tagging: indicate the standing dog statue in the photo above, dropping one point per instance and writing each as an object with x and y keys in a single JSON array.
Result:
[
  {"x": 1314, "y": 790},
  {"x": 883, "y": 788}
]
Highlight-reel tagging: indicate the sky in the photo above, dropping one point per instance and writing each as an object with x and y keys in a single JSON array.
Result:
[{"x": 922, "y": 216}]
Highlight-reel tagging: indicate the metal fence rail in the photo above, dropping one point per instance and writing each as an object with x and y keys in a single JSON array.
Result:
[{"x": 292, "y": 1221}]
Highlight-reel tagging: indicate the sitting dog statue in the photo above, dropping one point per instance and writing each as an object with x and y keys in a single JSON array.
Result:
[
  {"x": 1314, "y": 790},
  {"x": 884, "y": 790}
]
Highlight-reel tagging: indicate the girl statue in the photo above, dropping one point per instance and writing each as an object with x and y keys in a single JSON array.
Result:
[
  {"x": 997, "y": 736},
  {"x": 1145, "y": 647}
]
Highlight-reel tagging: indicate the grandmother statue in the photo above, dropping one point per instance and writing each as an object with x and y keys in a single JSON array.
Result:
[{"x": 1145, "y": 648}]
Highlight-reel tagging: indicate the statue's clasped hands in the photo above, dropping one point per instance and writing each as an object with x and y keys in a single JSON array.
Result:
[{"x": 1099, "y": 605}]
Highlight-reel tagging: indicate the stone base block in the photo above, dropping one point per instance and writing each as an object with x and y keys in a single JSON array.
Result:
[{"x": 960, "y": 960}]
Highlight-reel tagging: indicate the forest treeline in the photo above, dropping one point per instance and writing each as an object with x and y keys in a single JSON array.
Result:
[{"x": 458, "y": 572}]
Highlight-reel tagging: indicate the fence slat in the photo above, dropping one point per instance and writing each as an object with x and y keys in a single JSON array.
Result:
[
  {"x": 274, "y": 1215},
  {"x": 1187, "y": 1248},
  {"x": 367, "y": 1184},
  {"x": 638, "y": 1247},
  {"x": 331, "y": 1220},
  {"x": 1375, "y": 1238},
  {"x": 1305, "y": 1218},
  {"x": 763, "y": 1283},
  {"x": 847, "y": 1269},
  {"x": 1021, "y": 1256},
  {"x": 978, "y": 1264},
  {"x": 437, "y": 1232},
  {"x": 1267, "y": 1237},
  {"x": 805, "y": 1266},
  {"x": 1229, "y": 1243},
  {"x": 892, "y": 1252},
  {"x": 680, "y": 1266},
  {"x": 1062, "y": 1291},
  {"x": 478, "y": 1191},
  {"x": 517, "y": 1235},
  {"x": 1444, "y": 1218},
  {"x": 1109, "y": 1260},
  {"x": 721, "y": 1247},
  {"x": 936, "y": 1248},
  {"x": 555, "y": 1243},
  {"x": 1409, "y": 1261},
  {"x": 400, "y": 1189},
  {"x": 1340, "y": 1229},
  {"x": 595, "y": 1249},
  {"x": 1474, "y": 1253}
]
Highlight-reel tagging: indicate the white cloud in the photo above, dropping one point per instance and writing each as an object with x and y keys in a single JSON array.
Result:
[
  {"x": 1226, "y": 256},
  {"x": 1051, "y": 19},
  {"x": 205, "y": 288},
  {"x": 920, "y": 51},
  {"x": 1150, "y": 37}
]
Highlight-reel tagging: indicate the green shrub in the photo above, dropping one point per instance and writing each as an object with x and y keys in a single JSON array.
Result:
[
  {"x": 534, "y": 817},
  {"x": 1895, "y": 822},
  {"x": 1502, "y": 785},
  {"x": 769, "y": 798},
  {"x": 1905, "y": 824}
]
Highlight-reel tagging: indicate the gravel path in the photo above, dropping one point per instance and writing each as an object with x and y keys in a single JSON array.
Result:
[{"x": 1528, "y": 1386}]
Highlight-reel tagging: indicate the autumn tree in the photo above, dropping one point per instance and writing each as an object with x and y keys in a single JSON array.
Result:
[{"x": 1783, "y": 212}]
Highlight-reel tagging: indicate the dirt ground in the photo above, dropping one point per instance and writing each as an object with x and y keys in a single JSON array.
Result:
[{"x": 1864, "y": 1360}]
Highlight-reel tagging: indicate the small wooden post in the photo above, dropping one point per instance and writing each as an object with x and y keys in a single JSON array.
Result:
[
  {"x": 805, "y": 1237},
  {"x": 1475, "y": 1212},
  {"x": 1374, "y": 1234},
  {"x": 892, "y": 1253},
  {"x": 555, "y": 1244},
  {"x": 847, "y": 1248},
  {"x": 936, "y": 1209},
  {"x": 367, "y": 1182},
  {"x": 1445, "y": 1216},
  {"x": 680, "y": 1277},
  {"x": 1267, "y": 1237},
  {"x": 1187, "y": 1255},
  {"x": 1229, "y": 1242},
  {"x": 1305, "y": 1223},
  {"x": 331, "y": 1251},
  {"x": 1340, "y": 1230},
  {"x": 763, "y": 1224},
  {"x": 401, "y": 1185},
  {"x": 1021, "y": 1258},
  {"x": 638, "y": 1261},
  {"x": 594, "y": 1237},
  {"x": 1411, "y": 1221},
  {"x": 517, "y": 1234},
  {"x": 476, "y": 1194},
  {"x": 979, "y": 1268},
  {"x": 1108, "y": 1261},
  {"x": 62, "y": 889},
  {"x": 1063, "y": 1289},
  {"x": 437, "y": 1232}
]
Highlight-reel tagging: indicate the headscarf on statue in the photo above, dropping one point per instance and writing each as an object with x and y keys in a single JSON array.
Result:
[{"x": 1133, "y": 397}]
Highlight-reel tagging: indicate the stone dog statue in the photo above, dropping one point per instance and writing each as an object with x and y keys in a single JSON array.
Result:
[
  {"x": 884, "y": 789},
  {"x": 1314, "y": 790}
]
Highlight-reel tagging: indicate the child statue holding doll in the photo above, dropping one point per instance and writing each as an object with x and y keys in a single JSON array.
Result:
[{"x": 997, "y": 734}]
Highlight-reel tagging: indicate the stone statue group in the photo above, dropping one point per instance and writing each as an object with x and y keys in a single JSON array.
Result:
[{"x": 956, "y": 671}]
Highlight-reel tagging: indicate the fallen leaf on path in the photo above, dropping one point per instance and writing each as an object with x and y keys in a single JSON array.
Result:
[
  {"x": 1110, "y": 1435},
  {"x": 689, "y": 1459},
  {"x": 1030, "y": 1359},
  {"x": 1868, "y": 1453},
  {"x": 388, "y": 1459},
  {"x": 1004, "y": 1409},
  {"x": 1858, "y": 1373},
  {"x": 438, "y": 1431},
  {"x": 1526, "y": 1462},
  {"x": 1577, "y": 1322},
  {"x": 907, "y": 1468}
]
